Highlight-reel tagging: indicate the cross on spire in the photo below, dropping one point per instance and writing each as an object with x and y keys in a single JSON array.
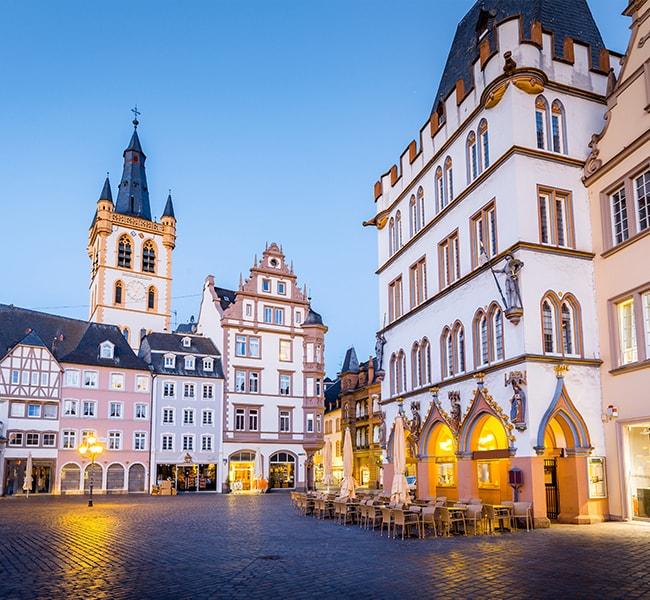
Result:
[{"x": 136, "y": 114}]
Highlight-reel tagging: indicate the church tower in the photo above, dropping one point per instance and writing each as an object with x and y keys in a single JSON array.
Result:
[{"x": 131, "y": 254}]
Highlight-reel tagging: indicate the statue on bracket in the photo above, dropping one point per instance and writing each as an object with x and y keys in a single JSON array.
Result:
[
  {"x": 454, "y": 413},
  {"x": 415, "y": 424},
  {"x": 517, "y": 379},
  {"x": 514, "y": 305},
  {"x": 379, "y": 353},
  {"x": 382, "y": 429}
]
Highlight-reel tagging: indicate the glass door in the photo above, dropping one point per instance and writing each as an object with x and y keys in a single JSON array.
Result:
[{"x": 187, "y": 478}]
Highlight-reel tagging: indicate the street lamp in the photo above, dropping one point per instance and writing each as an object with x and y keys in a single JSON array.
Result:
[{"x": 92, "y": 448}]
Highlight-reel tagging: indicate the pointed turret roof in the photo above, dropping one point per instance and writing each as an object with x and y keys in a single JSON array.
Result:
[
  {"x": 350, "y": 362},
  {"x": 169, "y": 208},
  {"x": 133, "y": 194},
  {"x": 106, "y": 191}
]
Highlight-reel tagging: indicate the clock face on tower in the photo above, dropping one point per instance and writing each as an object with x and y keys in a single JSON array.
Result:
[{"x": 135, "y": 291}]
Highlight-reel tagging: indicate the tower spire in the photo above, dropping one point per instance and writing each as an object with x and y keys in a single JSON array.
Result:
[
  {"x": 133, "y": 193},
  {"x": 106, "y": 190}
]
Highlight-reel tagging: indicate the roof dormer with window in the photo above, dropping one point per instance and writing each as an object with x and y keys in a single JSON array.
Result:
[
  {"x": 190, "y": 363},
  {"x": 107, "y": 350},
  {"x": 170, "y": 361},
  {"x": 187, "y": 342}
]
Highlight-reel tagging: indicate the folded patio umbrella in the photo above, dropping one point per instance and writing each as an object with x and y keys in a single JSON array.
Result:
[
  {"x": 348, "y": 484},
  {"x": 400, "y": 488}
]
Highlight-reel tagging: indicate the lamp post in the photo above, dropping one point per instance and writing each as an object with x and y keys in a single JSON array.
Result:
[{"x": 92, "y": 448}]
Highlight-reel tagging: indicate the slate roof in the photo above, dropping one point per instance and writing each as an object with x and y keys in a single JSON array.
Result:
[
  {"x": 106, "y": 191},
  {"x": 350, "y": 362},
  {"x": 169, "y": 208},
  {"x": 564, "y": 18},
  {"x": 155, "y": 345},
  {"x": 133, "y": 193},
  {"x": 226, "y": 296},
  {"x": 332, "y": 396},
  {"x": 313, "y": 318},
  {"x": 69, "y": 340}
]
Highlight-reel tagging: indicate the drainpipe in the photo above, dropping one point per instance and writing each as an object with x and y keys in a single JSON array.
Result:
[{"x": 152, "y": 412}]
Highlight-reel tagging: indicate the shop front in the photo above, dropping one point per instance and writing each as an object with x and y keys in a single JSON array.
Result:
[
  {"x": 282, "y": 471},
  {"x": 241, "y": 471},
  {"x": 189, "y": 477},
  {"x": 639, "y": 470},
  {"x": 42, "y": 476}
]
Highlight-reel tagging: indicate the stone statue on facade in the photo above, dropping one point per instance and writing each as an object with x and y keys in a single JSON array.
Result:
[
  {"x": 455, "y": 412},
  {"x": 415, "y": 423},
  {"x": 517, "y": 379},
  {"x": 511, "y": 270},
  {"x": 382, "y": 429},
  {"x": 379, "y": 351}
]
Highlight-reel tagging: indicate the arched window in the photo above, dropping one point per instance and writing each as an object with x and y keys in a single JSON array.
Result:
[
  {"x": 413, "y": 216},
  {"x": 420, "y": 200},
  {"x": 148, "y": 257},
  {"x": 151, "y": 298},
  {"x": 119, "y": 288},
  {"x": 497, "y": 334},
  {"x": 568, "y": 345},
  {"x": 416, "y": 366},
  {"x": 570, "y": 326},
  {"x": 484, "y": 143},
  {"x": 472, "y": 157},
  {"x": 440, "y": 190},
  {"x": 481, "y": 339},
  {"x": 391, "y": 236},
  {"x": 398, "y": 231},
  {"x": 548, "y": 326},
  {"x": 459, "y": 347},
  {"x": 425, "y": 355},
  {"x": 401, "y": 380},
  {"x": 124, "y": 250},
  {"x": 393, "y": 374},
  {"x": 558, "y": 125},
  {"x": 449, "y": 181},
  {"x": 446, "y": 353},
  {"x": 541, "y": 122}
]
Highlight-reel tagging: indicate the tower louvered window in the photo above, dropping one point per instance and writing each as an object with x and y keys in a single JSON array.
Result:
[
  {"x": 151, "y": 298},
  {"x": 124, "y": 252},
  {"x": 148, "y": 258}
]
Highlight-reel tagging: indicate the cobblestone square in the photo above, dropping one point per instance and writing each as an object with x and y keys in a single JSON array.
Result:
[{"x": 259, "y": 547}]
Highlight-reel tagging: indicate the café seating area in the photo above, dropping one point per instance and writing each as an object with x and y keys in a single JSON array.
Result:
[{"x": 431, "y": 517}]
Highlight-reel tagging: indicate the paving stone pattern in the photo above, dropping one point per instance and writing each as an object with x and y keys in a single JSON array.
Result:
[{"x": 211, "y": 546}]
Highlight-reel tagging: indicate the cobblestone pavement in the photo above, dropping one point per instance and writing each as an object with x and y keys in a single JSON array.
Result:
[{"x": 258, "y": 547}]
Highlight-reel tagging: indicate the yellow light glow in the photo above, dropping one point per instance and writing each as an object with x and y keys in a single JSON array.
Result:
[
  {"x": 90, "y": 440},
  {"x": 82, "y": 449},
  {"x": 96, "y": 449},
  {"x": 487, "y": 441},
  {"x": 446, "y": 445}
]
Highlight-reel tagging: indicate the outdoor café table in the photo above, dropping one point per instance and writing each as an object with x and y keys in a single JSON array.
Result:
[{"x": 502, "y": 512}]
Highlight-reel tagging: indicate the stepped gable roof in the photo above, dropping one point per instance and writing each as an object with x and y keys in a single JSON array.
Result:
[
  {"x": 69, "y": 340},
  {"x": 155, "y": 345},
  {"x": 563, "y": 18}
]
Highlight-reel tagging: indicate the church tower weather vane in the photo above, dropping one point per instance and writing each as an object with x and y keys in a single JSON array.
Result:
[{"x": 136, "y": 114}]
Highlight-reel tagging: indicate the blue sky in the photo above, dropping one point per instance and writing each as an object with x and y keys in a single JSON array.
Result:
[{"x": 268, "y": 119}]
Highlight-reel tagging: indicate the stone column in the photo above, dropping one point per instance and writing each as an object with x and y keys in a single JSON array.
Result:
[{"x": 467, "y": 480}]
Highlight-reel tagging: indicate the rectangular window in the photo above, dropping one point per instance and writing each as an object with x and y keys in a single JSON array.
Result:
[
  {"x": 206, "y": 443},
  {"x": 645, "y": 299},
  {"x": 483, "y": 232},
  {"x": 266, "y": 285},
  {"x": 15, "y": 376},
  {"x": 285, "y": 421},
  {"x": 252, "y": 419},
  {"x": 115, "y": 410},
  {"x": 310, "y": 423},
  {"x": 49, "y": 440},
  {"x": 189, "y": 390},
  {"x": 141, "y": 383},
  {"x": 418, "y": 282},
  {"x": 70, "y": 408},
  {"x": 45, "y": 379},
  {"x": 50, "y": 411},
  {"x": 395, "y": 299},
  {"x": 140, "y": 411},
  {"x": 24, "y": 378},
  {"x": 169, "y": 389},
  {"x": 207, "y": 417},
  {"x": 71, "y": 378},
  {"x": 32, "y": 439},
  {"x": 246, "y": 345},
  {"x": 253, "y": 346},
  {"x": 249, "y": 310},
  {"x": 170, "y": 361},
  {"x": 90, "y": 379},
  {"x": 89, "y": 408},
  {"x": 188, "y": 416},
  {"x": 285, "y": 385},
  {"x": 188, "y": 442},
  {"x": 240, "y": 381},
  {"x": 449, "y": 260},
  {"x": 114, "y": 440},
  {"x": 318, "y": 386},
  {"x": 285, "y": 350},
  {"x": 627, "y": 332},
  {"x": 240, "y": 417},
  {"x": 208, "y": 391},
  {"x": 555, "y": 213},
  {"x": 139, "y": 440},
  {"x": 620, "y": 229},
  {"x": 278, "y": 316},
  {"x": 642, "y": 189},
  {"x": 69, "y": 440},
  {"x": 17, "y": 409},
  {"x": 34, "y": 411},
  {"x": 117, "y": 381},
  {"x": 240, "y": 345},
  {"x": 34, "y": 378},
  {"x": 319, "y": 424},
  {"x": 168, "y": 416},
  {"x": 298, "y": 317},
  {"x": 268, "y": 314},
  {"x": 282, "y": 288},
  {"x": 16, "y": 438},
  {"x": 253, "y": 382},
  {"x": 85, "y": 434},
  {"x": 167, "y": 441}
]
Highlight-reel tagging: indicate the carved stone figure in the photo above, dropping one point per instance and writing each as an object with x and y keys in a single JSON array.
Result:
[
  {"x": 454, "y": 413},
  {"x": 511, "y": 270},
  {"x": 517, "y": 379},
  {"x": 382, "y": 429},
  {"x": 379, "y": 350},
  {"x": 415, "y": 424}
]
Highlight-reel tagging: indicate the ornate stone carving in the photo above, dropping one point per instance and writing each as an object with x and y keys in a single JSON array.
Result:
[
  {"x": 382, "y": 429},
  {"x": 593, "y": 163},
  {"x": 415, "y": 423},
  {"x": 380, "y": 342},
  {"x": 509, "y": 64},
  {"x": 495, "y": 95},
  {"x": 455, "y": 411},
  {"x": 517, "y": 379},
  {"x": 531, "y": 84},
  {"x": 560, "y": 370}
]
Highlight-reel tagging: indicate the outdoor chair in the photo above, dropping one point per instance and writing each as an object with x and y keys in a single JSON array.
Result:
[
  {"x": 452, "y": 519},
  {"x": 373, "y": 516},
  {"x": 406, "y": 521},
  {"x": 442, "y": 499},
  {"x": 386, "y": 520},
  {"x": 363, "y": 513},
  {"x": 350, "y": 513},
  {"x": 429, "y": 517},
  {"x": 523, "y": 510},
  {"x": 474, "y": 516},
  {"x": 475, "y": 501},
  {"x": 339, "y": 510}
]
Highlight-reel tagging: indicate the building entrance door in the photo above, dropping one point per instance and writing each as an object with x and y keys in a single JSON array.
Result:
[
  {"x": 240, "y": 471},
  {"x": 550, "y": 483},
  {"x": 186, "y": 478}
]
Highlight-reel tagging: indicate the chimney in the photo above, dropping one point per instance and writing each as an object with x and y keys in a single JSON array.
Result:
[{"x": 371, "y": 370}]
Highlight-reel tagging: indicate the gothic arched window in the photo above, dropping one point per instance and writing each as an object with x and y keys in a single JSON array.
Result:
[
  {"x": 484, "y": 144},
  {"x": 449, "y": 181},
  {"x": 148, "y": 257},
  {"x": 413, "y": 217},
  {"x": 541, "y": 122},
  {"x": 472, "y": 157},
  {"x": 459, "y": 347},
  {"x": 497, "y": 334},
  {"x": 420, "y": 210},
  {"x": 151, "y": 298},
  {"x": 548, "y": 326},
  {"x": 124, "y": 250},
  {"x": 558, "y": 124},
  {"x": 117, "y": 298},
  {"x": 440, "y": 190}
]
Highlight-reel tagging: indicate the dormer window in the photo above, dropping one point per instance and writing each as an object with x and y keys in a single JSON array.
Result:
[
  {"x": 266, "y": 285},
  {"x": 187, "y": 342},
  {"x": 189, "y": 363},
  {"x": 106, "y": 350},
  {"x": 208, "y": 364},
  {"x": 170, "y": 361}
]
